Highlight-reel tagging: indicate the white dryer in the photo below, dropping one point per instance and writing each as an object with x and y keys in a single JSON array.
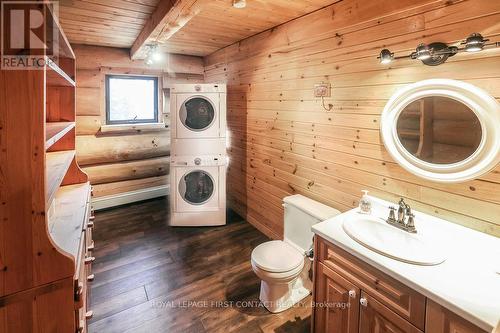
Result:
[
  {"x": 198, "y": 190},
  {"x": 198, "y": 111}
]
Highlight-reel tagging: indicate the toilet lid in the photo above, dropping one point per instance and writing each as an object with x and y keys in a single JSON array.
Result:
[{"x": 276, "y": 256}]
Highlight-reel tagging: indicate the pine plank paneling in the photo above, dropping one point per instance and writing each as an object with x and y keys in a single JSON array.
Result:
[
  {"x": 107, "y": 23},
  {"x": 281, "y": 140}
]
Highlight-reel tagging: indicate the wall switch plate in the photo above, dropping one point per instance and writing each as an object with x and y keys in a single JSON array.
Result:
[{"x": 322, "y": 90}]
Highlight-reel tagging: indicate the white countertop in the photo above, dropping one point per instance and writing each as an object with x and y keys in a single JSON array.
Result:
[{"x": 467, "y": 283}]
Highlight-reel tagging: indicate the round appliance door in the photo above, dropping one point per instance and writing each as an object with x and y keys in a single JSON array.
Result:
[
  {"x": 196, "y": 187},
  {"x": 197, "y": 113}
]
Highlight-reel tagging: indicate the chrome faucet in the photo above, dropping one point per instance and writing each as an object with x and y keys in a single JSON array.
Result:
[
  {"x": 403, "y": 207},
  {"x": 405, "y": 220}
]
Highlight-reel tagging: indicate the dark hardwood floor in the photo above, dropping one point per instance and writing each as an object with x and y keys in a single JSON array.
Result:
[{"x": 150, "y": 277}]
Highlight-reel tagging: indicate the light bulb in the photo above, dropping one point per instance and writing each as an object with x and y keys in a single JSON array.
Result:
[
  {"x": 386, "y": 56},
  {"x": 475, "y": 42},
  {"x": 157, "y": 55},
  {"x": 423, "y": 52},
  {"x": 239, "y": 3}
]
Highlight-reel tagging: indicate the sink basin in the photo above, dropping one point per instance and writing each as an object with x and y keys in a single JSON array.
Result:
[{"x": 392, "y": 242}]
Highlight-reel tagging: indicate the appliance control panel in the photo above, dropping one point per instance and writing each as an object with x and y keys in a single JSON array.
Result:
[{"x": 205, "y": 160}]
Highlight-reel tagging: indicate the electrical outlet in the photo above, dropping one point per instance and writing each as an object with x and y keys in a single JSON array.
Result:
[{"x": 322, "y": 90}]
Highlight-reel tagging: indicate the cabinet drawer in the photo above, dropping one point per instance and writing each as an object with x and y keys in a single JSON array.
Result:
[
  {"x": 404, "y": 301},
  {"x": 81, "y": 322},
  {"x": 80, "y": 276},
  {"x": 88, "y": 227},
  {"x": 376, "y": 317}
]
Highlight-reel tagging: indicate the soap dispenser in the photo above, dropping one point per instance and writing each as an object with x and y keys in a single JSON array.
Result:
[{"x": 365, "y": 204}]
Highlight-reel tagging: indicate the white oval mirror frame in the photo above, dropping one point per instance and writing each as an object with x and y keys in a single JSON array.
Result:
[{"x": 487, "y": 110}]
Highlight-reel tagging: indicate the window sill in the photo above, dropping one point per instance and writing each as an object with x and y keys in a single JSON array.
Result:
[{"x": 133, "y": 127}]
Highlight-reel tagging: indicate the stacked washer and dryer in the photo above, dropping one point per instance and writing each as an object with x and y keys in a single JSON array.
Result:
[{"x": 198, "y": 155}]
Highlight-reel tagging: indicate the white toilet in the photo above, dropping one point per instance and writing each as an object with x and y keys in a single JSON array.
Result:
[{"x": 282, "y": 265}]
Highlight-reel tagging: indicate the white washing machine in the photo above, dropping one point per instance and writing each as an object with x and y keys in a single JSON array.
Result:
[
  {"x": 198, "y": 190},
  {"x": 198, "y": 111}
]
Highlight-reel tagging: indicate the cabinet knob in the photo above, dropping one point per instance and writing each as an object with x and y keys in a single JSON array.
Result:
[
  {"x": 89, "y": 314},
  {"x": 363, "y": 301},
  {"x": 88, "y": 260},
  {"x": 91, "y": 247},
  {"x": 352, "y": 293},
  {"x": 90, "y": 277},
  {"x": 90, "y": 225}
]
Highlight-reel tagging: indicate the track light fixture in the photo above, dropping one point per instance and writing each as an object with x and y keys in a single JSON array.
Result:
[{"x": 437, "y": 53}]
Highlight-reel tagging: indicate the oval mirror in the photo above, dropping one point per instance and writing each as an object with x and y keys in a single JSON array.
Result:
[
  {"x": 439, "y": 130},
  {"x": 443, "y": 130}
]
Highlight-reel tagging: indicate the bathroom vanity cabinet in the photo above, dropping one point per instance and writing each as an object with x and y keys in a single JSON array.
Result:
[{"x": 352, "y": 296}]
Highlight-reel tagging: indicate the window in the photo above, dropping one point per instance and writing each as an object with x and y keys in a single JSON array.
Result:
[{"x": 131, "y": 99}]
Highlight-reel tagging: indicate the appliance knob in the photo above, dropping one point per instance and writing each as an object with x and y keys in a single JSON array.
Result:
[{"x": 197, "y": 161}]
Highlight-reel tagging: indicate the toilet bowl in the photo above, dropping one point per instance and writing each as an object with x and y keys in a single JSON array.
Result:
[{"x": 281, "y": 264}]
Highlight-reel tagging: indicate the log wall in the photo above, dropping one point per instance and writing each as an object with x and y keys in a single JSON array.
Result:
[
  {"x": 283, "y": 142},
  {"x": 128, "y": 160}
]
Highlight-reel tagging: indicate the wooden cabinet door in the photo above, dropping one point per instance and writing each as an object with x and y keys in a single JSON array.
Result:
[
  {"x": 336, "y": 303},
  {"x": 441, "y": 320},
  {"x": 401, "y": 299},
  {"x": 377, "y": 318}
]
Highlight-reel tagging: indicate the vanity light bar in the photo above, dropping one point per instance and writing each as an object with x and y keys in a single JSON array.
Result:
[{"x": 437, "y": 53}]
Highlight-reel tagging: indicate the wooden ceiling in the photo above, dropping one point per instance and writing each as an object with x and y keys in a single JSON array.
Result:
[
  {"x": 214, "y": 25},
  {"x": 105, "y": 22},
  {"x": 220, "y": 24}
]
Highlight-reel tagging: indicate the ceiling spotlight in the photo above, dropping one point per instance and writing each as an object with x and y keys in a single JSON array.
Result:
[
  {"x": 422, "y": 52},
  {"x": 239, "y": 3},
  {"x": 475, "y": 42},
  {"x": 386, "y": 56},
  {"x": 156, "y": 53},
  {"x": 153, "y": 55}
]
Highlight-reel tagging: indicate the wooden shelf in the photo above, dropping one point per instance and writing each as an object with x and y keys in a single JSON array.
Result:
[
  {"x": 38, "y": 111},
  {"x": 57, "y": 164},
  {"x": 63, "y": 44},
  {"x": 57, "y": 77},
  {"x": 55, "y": 131},
  {"x": 66, "y": 223}
]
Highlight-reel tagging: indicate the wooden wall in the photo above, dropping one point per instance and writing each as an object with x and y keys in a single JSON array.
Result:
[
  {"x": 124, "y": 161},
  {"x": 283, "y": 142}
]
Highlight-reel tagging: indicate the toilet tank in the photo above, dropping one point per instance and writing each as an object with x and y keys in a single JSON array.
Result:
[{"x": 301, "y": 213}]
